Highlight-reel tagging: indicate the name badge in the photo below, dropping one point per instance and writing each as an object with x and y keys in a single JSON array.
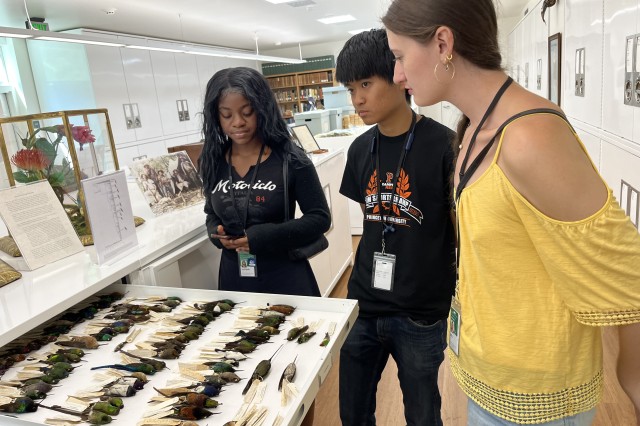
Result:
[
  {"x": 247, "y": 264},
  {"x": 384, "y": 266},
  {"x": 455, "y": 320}
]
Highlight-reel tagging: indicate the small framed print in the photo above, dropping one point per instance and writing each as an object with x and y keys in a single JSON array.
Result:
[
  {"x": 305, "y": 138},
  {"x": 554, "y": 70}
]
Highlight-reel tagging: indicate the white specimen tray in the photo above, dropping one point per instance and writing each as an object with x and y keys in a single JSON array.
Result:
[{"x": 313, "y": 361}]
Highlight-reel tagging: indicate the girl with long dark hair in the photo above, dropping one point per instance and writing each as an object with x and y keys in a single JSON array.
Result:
[{"x": 246, "y": 142}]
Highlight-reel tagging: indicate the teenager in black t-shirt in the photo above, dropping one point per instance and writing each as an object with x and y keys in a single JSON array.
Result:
[
  {"x": 246, "y": 142},
  {"x": 403, "y": 276}
]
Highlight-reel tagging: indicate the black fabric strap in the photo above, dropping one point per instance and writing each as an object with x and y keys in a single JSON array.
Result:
[
  {"x": 285, "y": 185},
  {"x": 487, "y": 113},
  {"x": 375, "y": 148}
]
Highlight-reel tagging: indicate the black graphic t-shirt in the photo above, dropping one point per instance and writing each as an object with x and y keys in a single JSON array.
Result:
[
  {"x": 270, "y": 238},
  {"x": 267, "y": 196},
  {"x": 423, "y": 241}
]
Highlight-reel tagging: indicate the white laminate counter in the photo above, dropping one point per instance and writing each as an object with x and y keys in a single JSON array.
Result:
[{"x": 48, "y": 291}]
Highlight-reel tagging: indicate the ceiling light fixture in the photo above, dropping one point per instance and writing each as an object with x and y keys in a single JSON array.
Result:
[
  {"x": 16, "y": 32},
  {"x": 159, "y": 49},
  {"x": 337, "y": 19},
  {"x": 280, "y": 1},
  {"x": 80, "y": 41},
  {"x": 157, "y": 44}
]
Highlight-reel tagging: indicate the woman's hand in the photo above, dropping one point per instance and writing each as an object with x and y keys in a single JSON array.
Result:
[{"x": 232, "y": 242}]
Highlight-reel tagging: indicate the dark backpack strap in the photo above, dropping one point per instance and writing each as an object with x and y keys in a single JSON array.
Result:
[{"x": 285, "y": 179}]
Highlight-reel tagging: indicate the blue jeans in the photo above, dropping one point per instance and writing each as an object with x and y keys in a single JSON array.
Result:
[
  {"x": 478, "y": 416},
  {"x": 418, "y": 350}
]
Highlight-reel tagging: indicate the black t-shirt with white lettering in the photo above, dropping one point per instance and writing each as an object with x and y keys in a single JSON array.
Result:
[
  {"x": 423, "y": 241},
  {"x": 270, "y": 237}
]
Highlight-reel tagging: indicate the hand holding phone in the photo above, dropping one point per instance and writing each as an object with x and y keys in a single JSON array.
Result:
[
  {"x": 225, "y": 237},
  {"x": 220, "y": 234}
]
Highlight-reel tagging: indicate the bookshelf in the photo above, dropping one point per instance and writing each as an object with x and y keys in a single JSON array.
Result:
[{"x": 293, "y": 90}]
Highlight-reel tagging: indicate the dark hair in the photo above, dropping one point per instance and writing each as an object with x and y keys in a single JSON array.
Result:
[
  {"x": 474, "y": 25},
  {"x": 271, "y": 127},
  {"x": 366, "y": 55}
]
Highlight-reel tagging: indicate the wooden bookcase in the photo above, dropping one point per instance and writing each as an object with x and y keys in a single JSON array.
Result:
[{"x": 293, "y": 90}]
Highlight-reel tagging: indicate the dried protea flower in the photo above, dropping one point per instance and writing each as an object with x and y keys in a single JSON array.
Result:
[{"x": 30, "y": 159}]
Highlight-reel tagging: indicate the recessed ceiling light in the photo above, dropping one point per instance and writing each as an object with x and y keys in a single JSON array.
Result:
[
  {"x": 280, "y": 1},
  {"x": 354, "y": 32},
  {"x": 337, "y": 19}
]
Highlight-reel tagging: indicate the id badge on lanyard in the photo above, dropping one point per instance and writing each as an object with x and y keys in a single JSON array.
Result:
[
  {"x": 247, "y": 262},
  {"x": 455, "y": 321},
  {"x": 384, "y": 266},
  {"x": 247, "y": 265}
]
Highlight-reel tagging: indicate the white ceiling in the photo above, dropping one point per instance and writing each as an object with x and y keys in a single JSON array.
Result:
[{"x": 229, "y": 23}]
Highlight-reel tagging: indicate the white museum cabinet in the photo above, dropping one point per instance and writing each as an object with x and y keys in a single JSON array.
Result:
[
  {"x": 609, "y": 129},
  {"x": 583, "y": 30},
  {"x": 620, "y": 21},
  {"x": 329, "y": 265}
]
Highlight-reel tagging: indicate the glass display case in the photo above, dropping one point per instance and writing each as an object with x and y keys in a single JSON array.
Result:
[{"x": 63, "y": 148}]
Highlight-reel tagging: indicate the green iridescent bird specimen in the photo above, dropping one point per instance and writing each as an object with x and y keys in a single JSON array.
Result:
[
  {"x": 133, "y": 367},
  {"x": 261, "y": 371}
]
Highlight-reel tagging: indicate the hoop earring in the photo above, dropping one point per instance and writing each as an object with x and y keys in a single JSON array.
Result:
[{"x": 449, "y": 64}]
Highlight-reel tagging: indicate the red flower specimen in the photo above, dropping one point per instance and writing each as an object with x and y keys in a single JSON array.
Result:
[
  {"x": 30, "y": 159},
  {"x": 82, "y": 134}
]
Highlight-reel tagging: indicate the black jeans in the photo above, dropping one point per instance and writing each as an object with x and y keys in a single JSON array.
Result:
[{"x": 418, "y": 351}]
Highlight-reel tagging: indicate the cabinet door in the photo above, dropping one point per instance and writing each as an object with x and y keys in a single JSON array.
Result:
[
  {"x": 592, "y": 144},
  {"x": 538, "y": 77},
  {"x": 619, "y": 167},
  {"x": 141, "y": 86},
  {"x": 583, "y": 29},
  {"x": 165, "y": 76},
  {"x": 339, "y": 235},
  {"x": 206, "y": 69},
  {"x": 527, "y": 46},
  {"x": 190, "y": 89},
  {"x": 636, "y": 121},
  {"x": 619, "y": 23},
  {"x": 110, "y": 88}
]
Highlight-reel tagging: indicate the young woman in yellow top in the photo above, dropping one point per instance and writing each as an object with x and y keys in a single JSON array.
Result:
[{"x": 546, "y": 255}]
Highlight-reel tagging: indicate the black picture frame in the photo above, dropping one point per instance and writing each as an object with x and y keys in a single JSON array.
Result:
[
  {"x": 555, "y": 68},
  {"x": 305, "y": 138}
]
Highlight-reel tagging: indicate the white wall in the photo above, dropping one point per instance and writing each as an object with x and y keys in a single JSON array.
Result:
[{"x": 23, "y": 98}]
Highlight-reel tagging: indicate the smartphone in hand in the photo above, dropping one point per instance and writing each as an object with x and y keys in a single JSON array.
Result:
[{"x": 226, "y": 237}]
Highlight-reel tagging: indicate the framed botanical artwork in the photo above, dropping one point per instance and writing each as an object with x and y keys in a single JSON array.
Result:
[{"x": 555, "y": 71}]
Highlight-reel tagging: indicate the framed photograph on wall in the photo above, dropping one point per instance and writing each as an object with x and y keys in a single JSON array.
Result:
[{"x": 555, "y": 71}]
